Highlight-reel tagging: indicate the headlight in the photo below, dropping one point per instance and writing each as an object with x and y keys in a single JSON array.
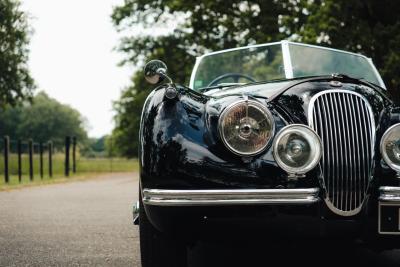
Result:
[
  {"x": 246, "y": 127},
  {"x": 297, "y": 149},
  {"x": 390, "y": 147}
]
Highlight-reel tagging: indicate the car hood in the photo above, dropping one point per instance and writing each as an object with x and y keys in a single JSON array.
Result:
[{"x": 291, "y": 98}]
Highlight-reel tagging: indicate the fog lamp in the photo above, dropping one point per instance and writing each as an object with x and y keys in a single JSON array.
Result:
[
  {"x": 390, "y": 147},
  {"x": 297, "y": 149}
]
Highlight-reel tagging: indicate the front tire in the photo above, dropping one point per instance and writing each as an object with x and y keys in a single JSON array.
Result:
[{"x": 158, "y": 249}]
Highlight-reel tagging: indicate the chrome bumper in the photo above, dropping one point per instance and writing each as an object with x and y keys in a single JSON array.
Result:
[
  {"x": 389, "y": 194},
  {"x": 161, "y": 197}
]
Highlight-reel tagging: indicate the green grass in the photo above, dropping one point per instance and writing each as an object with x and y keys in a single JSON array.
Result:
[
  {"x": 14, "y": 183},
  {"x": 107, "y": 165},
  {"x": 86, "y": 167}
]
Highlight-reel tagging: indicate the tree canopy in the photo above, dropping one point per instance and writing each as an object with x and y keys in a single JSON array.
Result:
[
  {"x": 176, "y": 31},
  {"x": 42, "y": 120},
  {"x": 16, "y": 84}
]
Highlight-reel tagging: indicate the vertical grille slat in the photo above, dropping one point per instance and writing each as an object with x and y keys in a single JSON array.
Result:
[
  {"x": 343, "y": 166},
  {"x": 361, "y": 154},
  {"x": 337, "y": 141},
  {"x": 340, "y": 146},
  {"x": 345, "y": 123},
  {"x": 326, "y": 144},
  {"x": 347, "y": 154},
  {"x": 356, "y": 154}
]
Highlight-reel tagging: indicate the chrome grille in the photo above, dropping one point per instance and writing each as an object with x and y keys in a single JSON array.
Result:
[{"x": 345, "y": 123}]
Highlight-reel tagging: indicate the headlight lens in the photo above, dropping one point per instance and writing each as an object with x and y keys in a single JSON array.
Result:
[
  {"x": 246, "y": 127},
  {"x": 297, "y": 149},
  {"x": 390, "y": 147}
]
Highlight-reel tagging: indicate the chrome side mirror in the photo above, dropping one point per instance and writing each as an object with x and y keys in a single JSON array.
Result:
[{"x": 155, "y": 71}]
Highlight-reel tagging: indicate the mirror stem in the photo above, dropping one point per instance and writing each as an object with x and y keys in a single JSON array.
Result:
[{"x": 163, "y": 72}]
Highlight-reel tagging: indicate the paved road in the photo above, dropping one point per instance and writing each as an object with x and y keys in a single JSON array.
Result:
[
  {"x": 85, "y": 223},
  {"x": 88, "y": 223}
]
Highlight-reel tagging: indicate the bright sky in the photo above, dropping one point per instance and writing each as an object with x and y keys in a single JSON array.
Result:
[{"x": 71, "y": 56}]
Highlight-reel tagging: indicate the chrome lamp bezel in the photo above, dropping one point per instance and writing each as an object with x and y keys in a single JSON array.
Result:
[
  {"x": 383, "y": 151},
  {"x": 304, "y": 169},
  {"x": 259, "y": 106}
]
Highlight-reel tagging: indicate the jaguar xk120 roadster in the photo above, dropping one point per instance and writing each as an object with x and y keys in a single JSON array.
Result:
[{"x": 275, "y": 139}]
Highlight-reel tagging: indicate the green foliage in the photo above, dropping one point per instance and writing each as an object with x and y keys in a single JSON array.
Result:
[
  {"x": 16, "y": 83},
  {"x": 210, "y": 25},
  {"x": 95, "y": 147},
  {"x": 371, "y": 27},
  {"x": 43, "y": 120}
]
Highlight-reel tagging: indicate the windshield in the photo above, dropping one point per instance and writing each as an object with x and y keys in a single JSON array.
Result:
[
  {"x": 240, "y": 66},
  {"x": 314, "y": 61},
  {"x": 284, "y": 60}
]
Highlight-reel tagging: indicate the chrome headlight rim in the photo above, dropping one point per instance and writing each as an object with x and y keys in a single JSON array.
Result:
[
  {"x": 384, "y": 155},
  {"x": 263, "y": 108},
  {"x": 285, "y": 167}
]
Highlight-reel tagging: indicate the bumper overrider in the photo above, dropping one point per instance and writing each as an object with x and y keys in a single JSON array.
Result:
[
  {"x": 389, "y": 194},
  {"x": 161, "y": 197}
]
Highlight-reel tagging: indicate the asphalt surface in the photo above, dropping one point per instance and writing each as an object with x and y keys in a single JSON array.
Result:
[{"x": 89, "y": 223}]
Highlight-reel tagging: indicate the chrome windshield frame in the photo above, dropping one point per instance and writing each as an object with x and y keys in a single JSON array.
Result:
[{"x": 287, "y": 61}]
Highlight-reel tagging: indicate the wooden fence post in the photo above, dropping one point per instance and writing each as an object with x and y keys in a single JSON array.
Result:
[
  {"x": 111, "y": 154},
  {"x": 41, "y": 159},
  {"x": 67, "y": 146},
  {"x": 6, "y": 158},
  {"x": 74, "y": 154},
  {"x": 50, "y": 147},
  {"x": 30, "y": 151},
  {"x": 19, "y": 151}
]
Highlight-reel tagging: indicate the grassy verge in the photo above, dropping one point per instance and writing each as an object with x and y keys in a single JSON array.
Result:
[
  {"x": 107, "y": 165},
  {"x": 86, "y": 168},
  {"x": 14, "y": 184}
]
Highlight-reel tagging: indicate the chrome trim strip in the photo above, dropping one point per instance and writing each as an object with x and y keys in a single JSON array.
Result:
[
  {"x": 241, "y": 48},
  {"x": 165, "y": 197},
  {"x": 287, "y": 61},
  {"x": 196, "y": 66},
  {"x": 382, "y": 83},
  {"x": 389, "y": 194}
]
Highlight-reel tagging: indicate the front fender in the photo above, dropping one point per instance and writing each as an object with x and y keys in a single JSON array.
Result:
[{"x": 180, "y": 149}]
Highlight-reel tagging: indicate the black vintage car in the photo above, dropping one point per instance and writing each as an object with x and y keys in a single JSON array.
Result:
[{"x": 274, "y": 139}]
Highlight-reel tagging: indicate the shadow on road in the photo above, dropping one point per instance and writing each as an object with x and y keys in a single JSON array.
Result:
[{"x": 291, "y": 254}]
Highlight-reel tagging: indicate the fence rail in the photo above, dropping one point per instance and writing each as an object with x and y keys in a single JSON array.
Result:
[{"x": 12, "y": 147}]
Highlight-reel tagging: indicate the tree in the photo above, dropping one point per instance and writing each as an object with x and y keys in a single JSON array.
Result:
[
  {"x": 16, "y": 84},
  {"x": 43, "y": 120},
  {"x": 205, "y": 26},
  {"x": 370, "y": 27},
  {"x": 95, "y": 147}
]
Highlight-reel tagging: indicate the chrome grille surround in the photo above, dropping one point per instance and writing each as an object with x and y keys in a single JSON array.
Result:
[{"x": 344, "y": 121}]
